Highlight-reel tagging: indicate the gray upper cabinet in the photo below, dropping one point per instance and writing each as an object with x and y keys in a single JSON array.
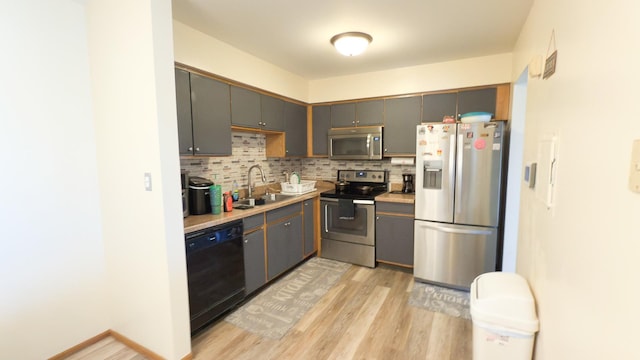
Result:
[
  {"x": 321, "y": 120},
  {"x": 477, "y": 100},
  {"x": 343, "y": 115},
  {"x": 436, "y": 106},
  {"x": 272, "y": 110},
  {"x": 402, "y": 115},
  {"x": 208, "y": 112},
  {"x": 295, "y": 121},
  {"x": 369, "y": 113},
  {"x": 245, "y": 108},
  {"x": 183, "y": 105}
]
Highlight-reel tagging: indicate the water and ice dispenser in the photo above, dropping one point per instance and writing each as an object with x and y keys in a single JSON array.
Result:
[{"x": 432, "y": 174}]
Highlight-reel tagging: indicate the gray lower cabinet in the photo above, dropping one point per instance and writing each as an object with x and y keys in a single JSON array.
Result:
[
  {"x": 284, "y": 245},
  {"x": 295, "y": 124},
  {"x": 245, "y": 108},
  {"x": 394, "y": 233},
  {"x": 436, "y": 106},
  {"x": 402, "y": 115},
  {"x": 309, "y": 231},
  {"x": 321, "y": 122},
  {"x": 204, "y": 118},
  {"x": 477, "y": 100},
  {"x": 254, "y": 266}
]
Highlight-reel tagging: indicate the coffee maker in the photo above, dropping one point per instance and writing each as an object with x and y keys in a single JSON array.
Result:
[{"x": 407, "y": 183}]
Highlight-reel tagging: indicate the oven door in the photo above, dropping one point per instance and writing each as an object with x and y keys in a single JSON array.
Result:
[{"x": 359, "y": 230}]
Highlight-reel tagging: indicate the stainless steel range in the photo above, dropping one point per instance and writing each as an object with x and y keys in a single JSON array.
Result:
[{"x": 348, "y": 216}]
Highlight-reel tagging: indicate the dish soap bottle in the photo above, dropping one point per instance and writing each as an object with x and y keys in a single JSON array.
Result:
[{"x": 234, "y": 193}]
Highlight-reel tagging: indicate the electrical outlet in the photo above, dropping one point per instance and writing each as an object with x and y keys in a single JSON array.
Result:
[{"x": 634, "y": 169}]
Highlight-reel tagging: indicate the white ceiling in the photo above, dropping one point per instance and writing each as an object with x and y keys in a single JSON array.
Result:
[{"x": 294, "y": 35}]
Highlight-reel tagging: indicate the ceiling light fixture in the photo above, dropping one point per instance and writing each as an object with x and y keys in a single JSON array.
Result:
[{"x": 351, "y": 43}]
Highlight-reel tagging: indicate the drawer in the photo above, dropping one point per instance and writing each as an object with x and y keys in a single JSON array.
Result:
[
  {"x": 254, "y": 221},
  {"x": 390, "y": 207},
  {"x": 285, "y": 211}
]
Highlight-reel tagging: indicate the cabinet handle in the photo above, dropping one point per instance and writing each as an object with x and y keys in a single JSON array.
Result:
[
  {"x": 377, "y": 217},
  {"x": 385, "y": 150},
  {"x": 190, "y": 148},
  {"x": 246, "y": 241},
  {"x": 358, "y": 122},
  {"x": 264, "y": 124},
  {"x": 353, "y": 122},
  {"x": 197, "y": 149}
]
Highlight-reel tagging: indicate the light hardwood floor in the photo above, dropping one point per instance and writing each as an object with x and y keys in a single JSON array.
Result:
[{"x": 366, "y": 315}]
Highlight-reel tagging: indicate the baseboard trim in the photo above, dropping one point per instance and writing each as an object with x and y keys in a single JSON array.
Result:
[
  {"x": 82, "y": 345},
  {"x": 116, "y": 335}
]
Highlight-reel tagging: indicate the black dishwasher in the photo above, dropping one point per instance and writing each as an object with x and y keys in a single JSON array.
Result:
[{"x": 215, "y": 272}]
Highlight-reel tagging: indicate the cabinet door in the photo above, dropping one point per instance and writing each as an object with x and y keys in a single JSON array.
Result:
[
  {"x": 437, "y": 106},
  {"x": 477, "y": 100},
  {"x": 276, "y": 249},
  {"x": 272, "y": 110},
  {"x": 295, "y": 241},
  {"x": 309, "y": 231},
  {"x": 370, "y": 113},
  {"x": 211, "y": 116},
  {"x": 394, "y": 239},
  {"x": 254, "y": 271},
  {"x": 343, "y": 115},
  {"x": 245, "y": 108},
  {"x": 295, "y": 120},
  {"x": 183, "y": 105},
  {"x": 402, "y": 116},
  {"x": 321, "y": 120}
]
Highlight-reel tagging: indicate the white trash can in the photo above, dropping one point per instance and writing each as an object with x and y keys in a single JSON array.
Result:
[{"x": 504, "y": 317}]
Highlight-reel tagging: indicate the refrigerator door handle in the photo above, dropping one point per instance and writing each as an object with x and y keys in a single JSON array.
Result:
[
  {"x": 458, "y": 177},
  {"x": 457, "y": 230}
]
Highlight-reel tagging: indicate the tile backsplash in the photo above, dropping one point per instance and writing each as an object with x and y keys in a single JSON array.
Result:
[{"x": 248, "y": 149}]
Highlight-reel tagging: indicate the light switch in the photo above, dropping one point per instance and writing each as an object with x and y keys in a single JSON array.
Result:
[
  {"x": 147, "y": 181},
  {"x": 634, "y": 169}
]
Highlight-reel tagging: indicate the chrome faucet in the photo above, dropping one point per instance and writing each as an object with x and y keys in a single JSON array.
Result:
[{"x": 264, "y": 178}]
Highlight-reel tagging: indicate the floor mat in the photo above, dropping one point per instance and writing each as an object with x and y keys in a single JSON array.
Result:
[{"x": 278, "y": 308}]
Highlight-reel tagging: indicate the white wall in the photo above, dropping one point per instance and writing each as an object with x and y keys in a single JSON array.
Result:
[
  {"x": 199, "y": 50},
  {"x": 581, "y": 257},
  {"x": 134, "y": 106},
  {"x": 485, "y": 70},
  {"x": 52, "y": 270}
]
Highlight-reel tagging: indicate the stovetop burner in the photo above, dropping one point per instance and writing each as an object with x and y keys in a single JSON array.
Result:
[{"x": 363, "y": 184}]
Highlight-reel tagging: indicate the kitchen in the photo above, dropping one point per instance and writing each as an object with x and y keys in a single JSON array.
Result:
[{"x": 563, "y": 259}]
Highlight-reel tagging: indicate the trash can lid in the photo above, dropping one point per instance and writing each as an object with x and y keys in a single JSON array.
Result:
[{"x": 503, "y": 300}]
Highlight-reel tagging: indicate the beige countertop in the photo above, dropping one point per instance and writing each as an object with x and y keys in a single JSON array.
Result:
[
  {"x": 396, "y": 198},
  {"x": 198, "y": 222}
]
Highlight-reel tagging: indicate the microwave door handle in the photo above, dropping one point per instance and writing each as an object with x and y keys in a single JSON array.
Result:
[{"x": 369, "y": 147}]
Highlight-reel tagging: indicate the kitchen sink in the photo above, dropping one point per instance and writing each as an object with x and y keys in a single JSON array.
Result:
[{"x": 266, "y": 199}]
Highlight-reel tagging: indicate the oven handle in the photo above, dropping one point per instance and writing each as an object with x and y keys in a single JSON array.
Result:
[{"x": 361, "y": 202}]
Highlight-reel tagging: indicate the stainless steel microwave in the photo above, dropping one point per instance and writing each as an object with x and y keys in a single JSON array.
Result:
[{"x": 361, "y": 143}]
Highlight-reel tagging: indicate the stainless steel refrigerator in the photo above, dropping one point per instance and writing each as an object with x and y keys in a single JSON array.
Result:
[{"x": 457, "y": 201}]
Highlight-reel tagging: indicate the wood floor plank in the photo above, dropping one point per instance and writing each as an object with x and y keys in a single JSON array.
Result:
[
  {"x": 350, "y": 342},
  {"x": 366, "y": 315}
]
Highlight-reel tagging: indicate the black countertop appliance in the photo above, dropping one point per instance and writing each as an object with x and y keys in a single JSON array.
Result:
[
  {"x": 199, "y": 198},
  {"x": 407, "y": 184}
]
